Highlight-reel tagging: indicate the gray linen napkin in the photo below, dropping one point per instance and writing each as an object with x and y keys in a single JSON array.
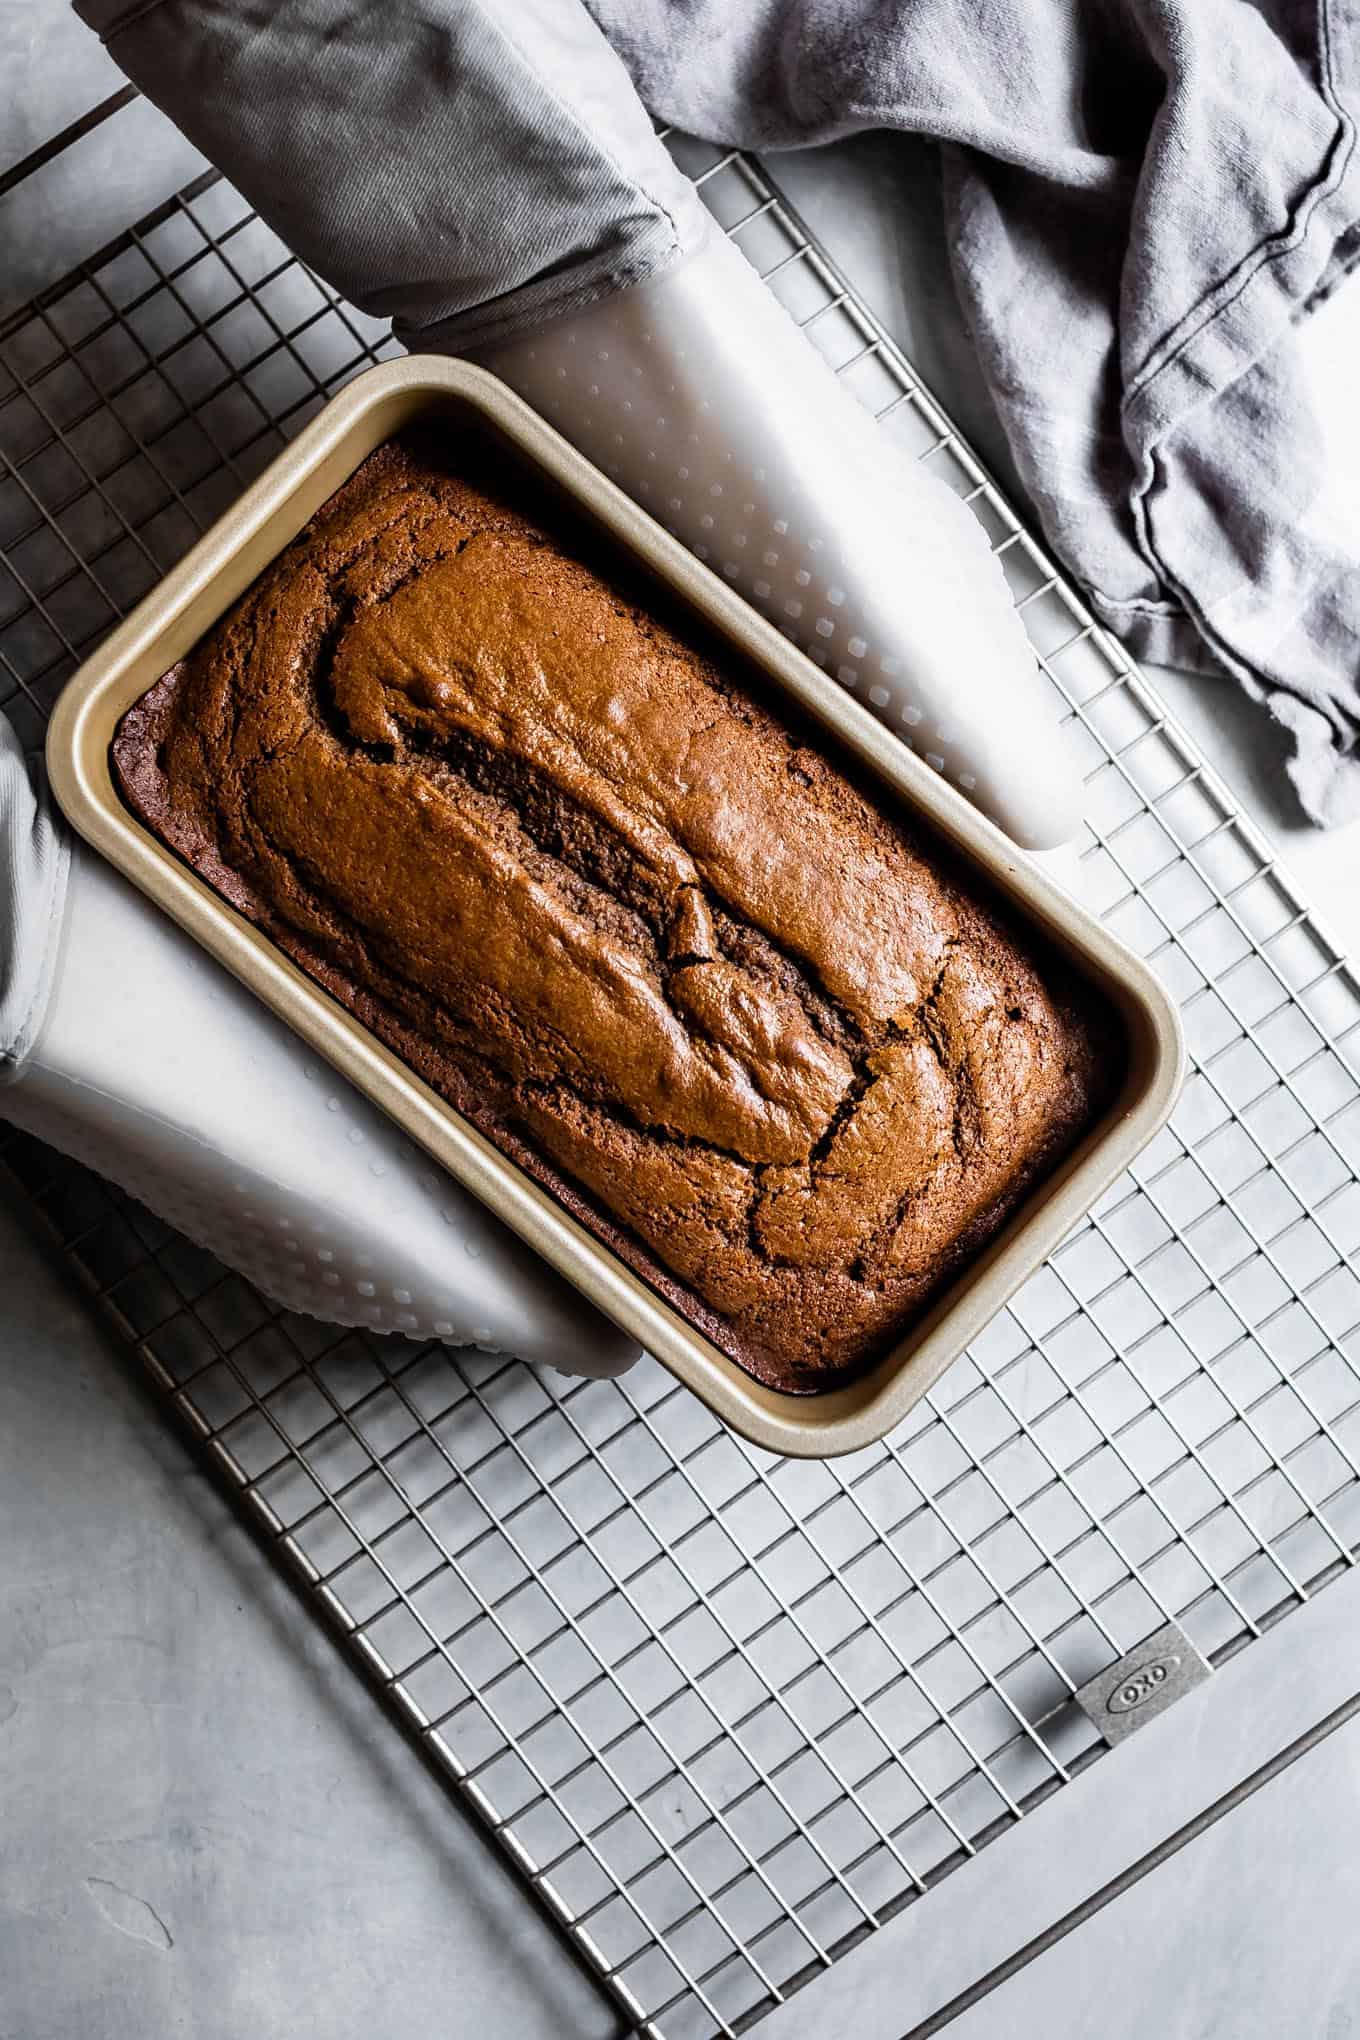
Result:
[{"x": 1144, "y": 197}]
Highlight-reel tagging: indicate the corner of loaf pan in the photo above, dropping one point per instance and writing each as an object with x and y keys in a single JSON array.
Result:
[{"x": 171, "y": 619}]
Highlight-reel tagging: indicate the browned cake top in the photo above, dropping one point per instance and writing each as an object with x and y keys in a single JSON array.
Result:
[{"x": 650, "y": 940}]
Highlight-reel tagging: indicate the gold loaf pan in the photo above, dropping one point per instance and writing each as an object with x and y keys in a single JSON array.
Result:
[{"x": 171, "y": 619}]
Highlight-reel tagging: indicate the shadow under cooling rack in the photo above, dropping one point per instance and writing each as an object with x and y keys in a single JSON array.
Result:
[{"x": 727, "y": 1714}]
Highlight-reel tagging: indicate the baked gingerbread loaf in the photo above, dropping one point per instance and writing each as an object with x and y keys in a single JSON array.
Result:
[{"x": 618, "y": 911}]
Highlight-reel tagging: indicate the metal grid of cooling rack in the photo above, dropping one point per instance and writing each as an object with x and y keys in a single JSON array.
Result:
[{"x": 727, "y": 1714}]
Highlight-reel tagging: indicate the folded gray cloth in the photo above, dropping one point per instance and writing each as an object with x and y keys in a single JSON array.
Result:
[
  {"x": 33, "y": 867},
  {"x": 465, "y": 168},
  {"x": 1143, "y": 196}
]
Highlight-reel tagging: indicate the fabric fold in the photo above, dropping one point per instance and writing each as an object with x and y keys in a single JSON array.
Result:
[
  {"x": 461, "y": 167},
  {"x": 1143, "y": 201}
]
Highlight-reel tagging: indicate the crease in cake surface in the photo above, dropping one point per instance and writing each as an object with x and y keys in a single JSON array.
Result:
[{"x": 645, "y": 935}]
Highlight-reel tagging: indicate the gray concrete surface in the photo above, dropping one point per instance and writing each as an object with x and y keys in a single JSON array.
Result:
[
  {"x": 206, "y": 1826},
  {"x": 54, "y": 70},
  {"x": 1248, "y": 1934}
]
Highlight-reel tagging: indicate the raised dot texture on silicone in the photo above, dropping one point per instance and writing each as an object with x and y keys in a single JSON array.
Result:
[
  {"x": 716, "y": 523},
  {"x": 224, "y": 1220}
]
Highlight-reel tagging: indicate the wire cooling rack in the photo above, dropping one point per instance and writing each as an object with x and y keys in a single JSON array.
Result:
[{"x": 727, "y": 1714}]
